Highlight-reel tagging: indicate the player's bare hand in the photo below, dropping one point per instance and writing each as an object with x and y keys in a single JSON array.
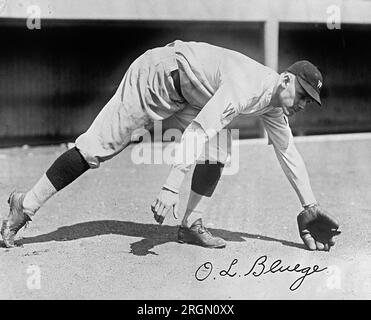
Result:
[
  {"x": 166, "y": 201},
  {"x": 317, "y": 228}
]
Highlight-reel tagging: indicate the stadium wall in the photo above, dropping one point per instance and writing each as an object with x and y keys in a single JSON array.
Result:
[{"x": 53, "y": 81}]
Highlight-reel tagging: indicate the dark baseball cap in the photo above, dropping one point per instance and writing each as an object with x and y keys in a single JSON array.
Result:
[{"x": 309, "y": 77}]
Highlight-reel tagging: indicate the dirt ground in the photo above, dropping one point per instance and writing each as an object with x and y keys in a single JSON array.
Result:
[{"x": 97, "y": 238}]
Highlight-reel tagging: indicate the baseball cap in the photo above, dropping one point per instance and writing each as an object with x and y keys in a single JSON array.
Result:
[{"x": 309, "y": 77}]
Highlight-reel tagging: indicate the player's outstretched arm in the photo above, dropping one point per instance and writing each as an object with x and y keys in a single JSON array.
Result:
[
  {"x": 317, "y": 228},
  {"x": 295, "y": 170},
  {"x": 279, "y": 134}
]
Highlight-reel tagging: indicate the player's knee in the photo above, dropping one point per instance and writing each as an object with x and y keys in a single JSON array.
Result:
[
  {"x": 92, "y": 161},
  {"x": 93, "y": 150},
  {"x": 206, "y": 177}
]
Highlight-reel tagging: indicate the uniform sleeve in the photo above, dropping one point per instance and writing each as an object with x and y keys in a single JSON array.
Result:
[
  {"x": 279, "y": 134},
  {"x": 219, "y": 111}
]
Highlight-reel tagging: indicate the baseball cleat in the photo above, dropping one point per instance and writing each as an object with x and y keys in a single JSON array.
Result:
[
  {"x": 16, "y": 219},
  {"x": 197, "y": 234}
]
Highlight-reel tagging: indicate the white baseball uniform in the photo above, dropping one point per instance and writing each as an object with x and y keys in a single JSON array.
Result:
[{"x": 216, "y": 85}]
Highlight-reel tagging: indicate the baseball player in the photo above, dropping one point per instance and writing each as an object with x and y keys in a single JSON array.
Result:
[{"x": 203, "y": 87}]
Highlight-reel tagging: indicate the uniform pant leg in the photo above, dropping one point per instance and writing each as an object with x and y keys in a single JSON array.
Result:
[{"x": 120, "y": 118}]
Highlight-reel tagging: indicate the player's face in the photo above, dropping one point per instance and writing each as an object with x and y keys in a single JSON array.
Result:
[{"x": 292, "y": 96}]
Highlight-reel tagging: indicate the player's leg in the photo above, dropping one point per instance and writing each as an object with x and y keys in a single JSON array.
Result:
[
  {"x": 108, "y": 135},
  {"x": 104, "y": 139},
  {"x": 65, "y": 169},
  {"x": 204, "y": 181},
  {"x": 205, "y": 178}
]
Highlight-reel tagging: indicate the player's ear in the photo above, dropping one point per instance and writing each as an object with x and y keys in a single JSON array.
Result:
[{"x": 286, "y": 80}]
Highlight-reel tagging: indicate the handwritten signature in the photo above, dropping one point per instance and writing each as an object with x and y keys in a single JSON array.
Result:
[{"x": 259, "y": 268}]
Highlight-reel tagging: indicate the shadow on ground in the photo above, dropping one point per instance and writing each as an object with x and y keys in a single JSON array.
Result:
[{"x": 153, "y": 235}]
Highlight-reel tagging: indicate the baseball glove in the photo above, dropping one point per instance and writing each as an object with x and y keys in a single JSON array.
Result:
[{"x": 317, "y": 228}]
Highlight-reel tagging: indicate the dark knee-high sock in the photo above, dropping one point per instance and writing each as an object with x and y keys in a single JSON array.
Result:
[
  {"x": 204, "y": 181},
  {"x": 206, "y": 177},
  {"x": 65, "y": 169}
]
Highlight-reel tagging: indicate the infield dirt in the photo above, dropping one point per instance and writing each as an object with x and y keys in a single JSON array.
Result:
[{"x": 97, "y": 238}]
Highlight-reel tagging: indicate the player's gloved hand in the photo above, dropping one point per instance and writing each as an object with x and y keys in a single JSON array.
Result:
[
  {"x": 317, "y": 228},
  {"x": 165, "y": 202}
]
